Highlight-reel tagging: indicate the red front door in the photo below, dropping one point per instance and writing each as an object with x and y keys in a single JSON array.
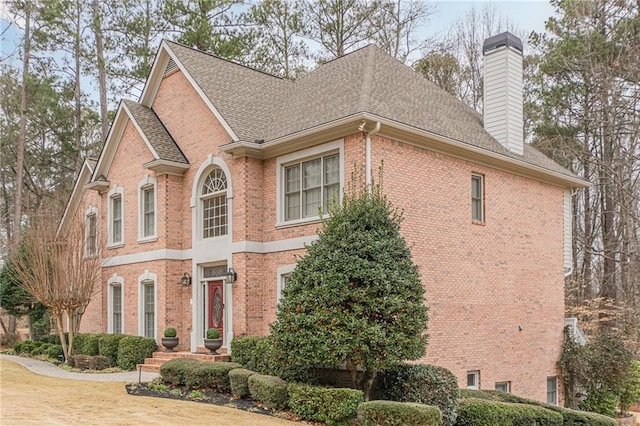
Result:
[{"x": 216, "y": 306}]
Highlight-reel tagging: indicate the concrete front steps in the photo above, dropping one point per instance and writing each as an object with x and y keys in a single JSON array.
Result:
[{"x": 153, "y": 364}]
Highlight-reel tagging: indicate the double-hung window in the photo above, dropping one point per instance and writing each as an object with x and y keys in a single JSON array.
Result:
[
  {"x": 116, "y": 309},
  {"x": 149, "y": 308},
  {"x": 116, "y": 219},
  {"x": 477, "y": 198},
  {"x": 147, "y": 209},
  {"x": 310, "y": 186},
  {"x": 91, "y": 233}
]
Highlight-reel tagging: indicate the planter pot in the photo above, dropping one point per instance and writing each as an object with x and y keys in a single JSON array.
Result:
[
  {"x": 213, "y": 345},
  {"x": 170, "y": 342}
]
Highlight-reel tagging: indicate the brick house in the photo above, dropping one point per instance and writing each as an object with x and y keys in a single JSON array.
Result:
[{"x": 209, "y": 186}]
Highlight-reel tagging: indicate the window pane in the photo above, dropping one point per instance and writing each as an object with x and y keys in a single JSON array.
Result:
[
  {"x": 92, "y": 231},
  {"x": 331, "y": 192},
  {"x": 216, "y": 181},
  {"x": 149, "y": 311},
  {"x": 552, "y": 390},
  {"x": 292, "y": 206},
  {"x": 331, "y": 169},
  {"x": 292, "y": 179},
  {"x": 116, "y": 210},
  {"x": 310, "y": 202},
  {"x": 149, "y": 212},
  {"x": 477, "y": 207},
  {"x": 116, "y": 303},
  {"x": 311, "y": 176}
]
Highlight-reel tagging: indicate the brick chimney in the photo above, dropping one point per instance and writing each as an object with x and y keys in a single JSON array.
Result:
[{"x": 503, "y": 90}]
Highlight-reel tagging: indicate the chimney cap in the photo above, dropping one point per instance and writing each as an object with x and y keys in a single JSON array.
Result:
[{"x": 504, "y": 39}]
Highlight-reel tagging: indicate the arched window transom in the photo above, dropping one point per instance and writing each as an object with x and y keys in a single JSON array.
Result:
[{"x": 214, "y": 204}]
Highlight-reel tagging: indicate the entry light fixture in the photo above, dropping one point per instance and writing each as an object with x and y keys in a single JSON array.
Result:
[
  {"x": 185, "y": 281},
  {"x": 232, "y": 276}
]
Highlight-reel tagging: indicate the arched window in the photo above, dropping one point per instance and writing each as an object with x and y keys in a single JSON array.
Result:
[{"x": 213, "y": 198}]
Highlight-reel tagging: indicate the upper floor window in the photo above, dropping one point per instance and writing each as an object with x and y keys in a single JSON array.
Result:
[
  {"x": 91, "y": 233},
  {"x": 147, "y": 208},
  {"x": 116, "y": 216},
  {"x": 309, "y": 181},
  {"x": 214, "y": 204},
  {"x": 477, "y": 198}
]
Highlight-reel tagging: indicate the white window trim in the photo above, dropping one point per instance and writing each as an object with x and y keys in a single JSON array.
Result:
[
  {"x": 91, "y": 210},
  {"x": 146, "y": 183},
  {"x": 482, "y": 199},
  {"x": 196, "y": 211},
  {"x": 147, "y": 276},
  {"x": 555, "y": 378},
  {"x": 116, "y": 190},
  {"x": 111, "y": 282},
  {"x": 297, "y": 157},
  {"x": 282, "y": 272},
  {"x": 477, "y": 375}
]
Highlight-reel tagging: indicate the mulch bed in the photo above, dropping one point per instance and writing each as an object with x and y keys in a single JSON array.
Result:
[{"x": 210, "y": 397}]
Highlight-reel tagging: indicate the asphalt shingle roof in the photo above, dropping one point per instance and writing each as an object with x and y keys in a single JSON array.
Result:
[
  {"x": 261, "y": 107},
  {"x": 156, "y": 133}
]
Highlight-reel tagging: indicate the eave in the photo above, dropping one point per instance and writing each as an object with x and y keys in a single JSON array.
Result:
[{"x": 166, "y": 167}]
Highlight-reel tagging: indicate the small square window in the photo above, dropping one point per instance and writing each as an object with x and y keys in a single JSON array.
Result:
[
  {"x": 503, "y": 386},
  {"x": 473, "y": 379}
]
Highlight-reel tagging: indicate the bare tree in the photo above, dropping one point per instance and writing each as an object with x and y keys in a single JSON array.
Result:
[{"x": 59, "y": 271}]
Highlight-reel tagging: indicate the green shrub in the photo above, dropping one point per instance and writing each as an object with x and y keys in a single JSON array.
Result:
[
  {"x": 239, "y": 381},
  {"x": 270, "y": 390},
  {"x": 602, "y": 401},
  {"x": 391, "y": 413},
  {"x": 108, "y": 346},
  {"x": 89, "y": 362},
  {"x": 631, "y": 389},
  {"x": 213, "y": 333},
  {"x": 329, "y": 405},
  {"x": 570, "y": 417},
  {"x": 170, "y": 332},
  {"x": 210, "y": 375},
  {"x": 175, "y": 371},
  {"x": 480, "y": 412},
  {"x": 132, "y": 350},
  {"x": 86, "y": 344},
  {"x": 258, "y": 354},
  {"x": 53, "y": 351},
  {"x": 421, "y": 383}
]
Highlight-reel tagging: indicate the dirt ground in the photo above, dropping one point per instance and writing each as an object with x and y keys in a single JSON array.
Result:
[{"x": 30, "y": 399}]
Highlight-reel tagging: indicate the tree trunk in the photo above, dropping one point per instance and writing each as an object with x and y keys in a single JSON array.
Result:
[
  {"x": 77, "y": 92},
  {"x": 22, "y": 136},
  {"x": 102, "y": 79}
]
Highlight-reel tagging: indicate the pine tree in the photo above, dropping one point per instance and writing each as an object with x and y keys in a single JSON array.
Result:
[{"x": 356, "y": 297}]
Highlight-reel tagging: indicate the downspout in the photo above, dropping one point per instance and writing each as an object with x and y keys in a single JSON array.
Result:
[{"x": 367, "y": 153}]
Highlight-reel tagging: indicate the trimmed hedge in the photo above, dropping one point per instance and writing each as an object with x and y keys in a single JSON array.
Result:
[
  {"x": 108, "y": 346},
  {"x": 132, "y": 350},
  {"x": 270, "y": 390},
  {"x": 258, "y": 354},
  {"x": 391, "y": 413},
  {"x": 329, "y": 405},
  {"x": 481, "y": 412},
  {"x": 570, "y": 417},
  {"x": 86, "y": 344},
  {"x": 175, "y": 371},
  {"x": 38, "y": 348},
  {"x": 210, "y": 375},
  {"x": 421, "y": 383},
  {"x": 239, "y": 381}
]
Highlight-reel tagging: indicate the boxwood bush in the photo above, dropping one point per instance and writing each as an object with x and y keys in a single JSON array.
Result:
[
  {"x": 108, "y": 346},
  {"x": 482, "y": 412},
  {"x": 270, "y": 390},
  {"x": 321, "y": 404},
  {"x": 86, "y": 344},
  {"x": 391, "y": 413},
  {"x": 239, "y": 381},
  {"x": 175, "y": 371},
  {"x": 258, "y": 354},
  {"x": 210, "y": 375},
  {"x": 571, "y": 417},
  {"x": 421, "y": 383},
  {"x": 132, "y": 350}
]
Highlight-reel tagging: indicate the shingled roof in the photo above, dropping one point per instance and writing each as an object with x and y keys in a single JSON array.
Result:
[
  {"x": 155, "y": 133},
  {"x": 261, "y": 107}
]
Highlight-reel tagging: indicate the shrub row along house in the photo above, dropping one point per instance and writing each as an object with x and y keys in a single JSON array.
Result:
[{"x": 209, "y": 187}]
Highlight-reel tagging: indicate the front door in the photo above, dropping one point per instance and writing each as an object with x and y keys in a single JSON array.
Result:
[{"x": 216, "y": 305}]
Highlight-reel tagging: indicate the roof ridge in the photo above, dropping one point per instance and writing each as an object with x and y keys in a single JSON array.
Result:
[{"x": 222, "y": 59}]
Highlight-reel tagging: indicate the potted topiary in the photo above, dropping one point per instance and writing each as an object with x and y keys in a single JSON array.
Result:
[
  {"x": 213, "y": 341},
  {"x": 170, "y": 341}
]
